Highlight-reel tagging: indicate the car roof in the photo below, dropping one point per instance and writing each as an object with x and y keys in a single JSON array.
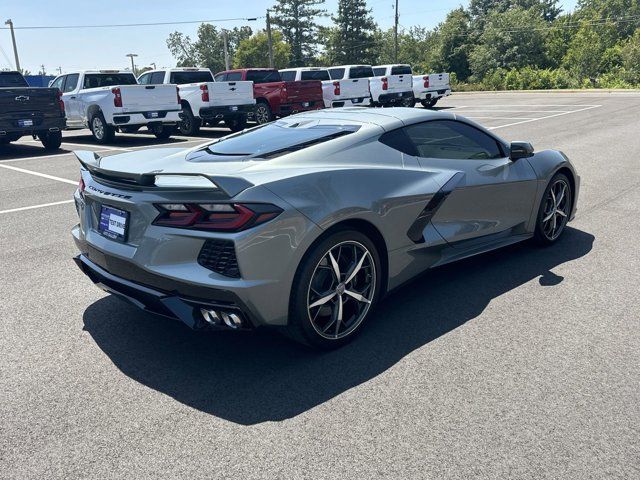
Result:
[{"x": 392, "y": 65}]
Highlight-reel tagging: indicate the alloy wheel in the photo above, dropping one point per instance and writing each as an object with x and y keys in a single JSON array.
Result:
[
  {"x": 556, "y": 209},
  {"x": 98, "y": 128},
  {"x": 262, "y": 114},
  {"x": 341, "y": 290}
]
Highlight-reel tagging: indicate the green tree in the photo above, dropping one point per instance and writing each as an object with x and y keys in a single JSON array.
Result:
[
  {"x": 296, "y": 19},
  {"x": 352, "y": 39},
  {"x": 254, "y": 51},
  {"x": 452, "y": 44},
  {"x": 585, "y": 56}
]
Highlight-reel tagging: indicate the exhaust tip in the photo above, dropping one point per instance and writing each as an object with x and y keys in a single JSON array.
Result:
[
  {"x": 210, "y": 316},
  {"x": 219, "y": 318}
]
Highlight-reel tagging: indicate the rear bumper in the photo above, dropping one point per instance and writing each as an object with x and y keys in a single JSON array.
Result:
[
  {"x": 396, "y": 97},
  {"x": 10, "y": 128},
  {"x": 188, "y": 310},
  {"x": 226, "y": 112},
  {"x": 429, "y": 94},
  {"x": 165, "y": 117},
  {"x": 291, "y": 108},
  {"x": 348, "y": 102}
]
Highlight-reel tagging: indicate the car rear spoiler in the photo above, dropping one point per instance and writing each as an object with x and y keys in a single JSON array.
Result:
[{"x": 229, "y": 186}]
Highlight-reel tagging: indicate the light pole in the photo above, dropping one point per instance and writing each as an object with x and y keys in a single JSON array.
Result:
[
  {"x": 13, "y": 39},
  {"x": 269, "y": 40},
  {"x": 131, "y": 55}
]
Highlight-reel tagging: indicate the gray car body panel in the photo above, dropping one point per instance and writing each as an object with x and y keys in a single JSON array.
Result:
[{"x": 350, "y": 178}]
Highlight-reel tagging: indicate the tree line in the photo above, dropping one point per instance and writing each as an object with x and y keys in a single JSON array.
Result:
[{"x": 491, "y": 44}]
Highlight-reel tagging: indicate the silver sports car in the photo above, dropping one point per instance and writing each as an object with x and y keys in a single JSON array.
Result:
[{"x": 305, "y": 223}]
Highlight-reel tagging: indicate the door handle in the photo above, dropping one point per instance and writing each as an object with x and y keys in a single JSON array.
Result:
[{"x": 72, "y": 98}]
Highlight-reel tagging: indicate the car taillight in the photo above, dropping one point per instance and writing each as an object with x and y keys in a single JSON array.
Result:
[
  {"x": 204, "y": 92},
  {"x": 60, "y": 102},
  {"x": 178, "y": 95},
  {"x": 385, "y": 84},
  {"x": 117, "y": 97},
  {"x": 224, "y": 217},
  {"x": 81, "y": 186},
  {"x": 426, "y": 82},
  {"x": 336, "y": 88}
]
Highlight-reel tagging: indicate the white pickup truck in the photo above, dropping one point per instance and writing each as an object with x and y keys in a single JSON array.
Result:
[
  {"x": 428, "y": 89},
  {"x": 391, "y": 85},
  {"x": 205, "y": 101},
  {"x": 335, "y": 93},
  {"x": 110, "y": 100}
]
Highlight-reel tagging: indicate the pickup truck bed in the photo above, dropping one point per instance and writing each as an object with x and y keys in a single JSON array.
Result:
[
  {"x": 428, "y": 89},
  {"x": 24, "y": 110}
]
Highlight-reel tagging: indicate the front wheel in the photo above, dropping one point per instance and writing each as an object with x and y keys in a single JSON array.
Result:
[
  {"x": 189, "y": 125},
  {"x": 429, "y": 103},
  {"x": 409, "y": 102},
  {"x": 51, "y": 140},
  {"x": 236, "y": 124},
  {"x": 102, "y": 132},
  {"x": 263, "y": 113},
  {"x": 336, "y": 285},
  {"x": 554, "y": 211}
]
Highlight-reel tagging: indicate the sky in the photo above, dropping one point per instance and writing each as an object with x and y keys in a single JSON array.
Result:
[{"x": 85, "y": 48}]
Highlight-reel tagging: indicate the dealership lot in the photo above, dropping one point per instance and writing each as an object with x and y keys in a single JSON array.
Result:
[{"x": 520, "y": 363}]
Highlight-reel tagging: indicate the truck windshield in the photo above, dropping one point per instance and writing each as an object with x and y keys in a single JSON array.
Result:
[
  {"x": 361, "y": 72},
  {"x": 12, "y": 79},
  {"x": 182, "y": 78},
  {"x": 401, "y": 70},
  {"x": 315, "y": 75},
  {"x": 275, "y": 139},
  {"x": 95, "y": 80},
  {"x": 263, "y": 76}
]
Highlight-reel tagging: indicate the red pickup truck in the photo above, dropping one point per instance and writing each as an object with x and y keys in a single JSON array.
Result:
[{"x": 274, "y": 97}]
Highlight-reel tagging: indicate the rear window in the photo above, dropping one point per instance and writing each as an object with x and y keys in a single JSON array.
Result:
[
  {"x": 361, "y": 72},
  {"x": 12, "y": 79},
  {"x": 379, "y": 72},
  {"x": 315, "y": 75},
  {"x": 401, "y": 70},
  {"x": 263, "y": 76},
  {"x": 95, "y": 80},
  {"x": 288, "y": 76},
  {"x": 181, "y": 78},
  {"x": 336, "y": 73},
  {"x": 275, "y": 139}
]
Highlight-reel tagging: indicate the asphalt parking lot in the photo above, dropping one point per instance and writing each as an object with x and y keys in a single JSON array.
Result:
[{"x": 522, "y": 363}]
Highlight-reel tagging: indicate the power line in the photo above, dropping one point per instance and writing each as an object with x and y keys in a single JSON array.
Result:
[{"x": 119, "y": 25}]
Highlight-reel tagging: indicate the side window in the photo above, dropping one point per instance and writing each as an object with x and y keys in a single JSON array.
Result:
[
  {"x": 71, "y": 83},
  {"x": 398, "y": 140},
  {"x": 234, "y": 77},
  {"x": 57, "y": 83},
  {"x": 222, "y": 77},
  {"x": 157, "y": 78},
  {"x": 144, "y": 79},
  {"x": 452, "y": 140},
  {"x": 288, "y": 76}
]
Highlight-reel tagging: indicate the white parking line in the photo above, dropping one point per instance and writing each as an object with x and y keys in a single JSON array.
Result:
[
  {"x": 11, "y": 210},
  {"x": 499, "y": 118},
  {"x": 516, "y": 110},
  {"x": 544, "y": 118},
  {"x": 524, "y": 105},
  {"x": 38, "y": 174}
]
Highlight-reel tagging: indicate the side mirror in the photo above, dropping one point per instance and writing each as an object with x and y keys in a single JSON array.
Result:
[{"x": 520, "y": 150}]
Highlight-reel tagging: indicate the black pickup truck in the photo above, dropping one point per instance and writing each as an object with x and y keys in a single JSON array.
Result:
[{"x": 26, "y": 110}]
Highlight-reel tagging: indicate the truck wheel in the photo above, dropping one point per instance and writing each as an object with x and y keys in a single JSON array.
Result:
[
  {"x": 429, "y": 103},
  {"x": 189, "y": 125},
  {"x": 236, "y": 124},
  {"x": 102, "y": 132},
  {"x": 162, "y": 131},
  {"x": 263, "y": 113},
  {"x": 51, "y": 140},
  {"x": 409, "y": 102}
]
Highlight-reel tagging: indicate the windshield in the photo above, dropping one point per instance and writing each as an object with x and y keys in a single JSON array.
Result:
[
  {"x": 182, "y": 78},
  {"x": 12, "y": 79},
  {"x": 315, "y": 75},
  {"x": 279, "y": 138},
  {"x": 95, "y": 80},
  {"x": 263, "y": 76}
]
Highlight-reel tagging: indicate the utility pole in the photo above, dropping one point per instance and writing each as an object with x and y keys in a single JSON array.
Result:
[
  {"x": 395, "y": 36},
  {"x": 59, "y": 70},
  {"x": 13, "y": 39},
  {"x": 154, "y": 65},
  {"x": 225, "y": 38},
  {"x": 43, "y": 72},
  {"x": 270, "y": 41},
  {"x": 133, "y": 66}
]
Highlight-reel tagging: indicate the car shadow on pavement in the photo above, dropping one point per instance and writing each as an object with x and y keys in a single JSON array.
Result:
[{"x": 257, "y": 377}]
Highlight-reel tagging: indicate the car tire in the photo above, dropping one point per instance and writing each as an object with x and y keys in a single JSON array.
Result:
[
  {"x": 429, "y": 103},
  {"x": 162, "y": 132},
  {"x": 236, "y": 124},
  {"x": 263, "y": 113},
  {"x": 102, "y": 132},
  {"x": 189, "y": 125},
  {"x": 408, "y": 102},
  {"x": 328, "y": 325},
  {"x": 554, "y": 210},
  {"x": 51, "y": 140}
]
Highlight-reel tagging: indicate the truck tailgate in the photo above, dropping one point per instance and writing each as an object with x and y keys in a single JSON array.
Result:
[
  {"x": 399, "y": 83},
  {"x": 438, "y": 81},
  {"x": 14, "y": 101},
  {"x": 354, "y": 88},
  {"x": 231, "y": 93},
  {"x": 302, "y": 91},
  {"x": 142, "y": 98}
]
